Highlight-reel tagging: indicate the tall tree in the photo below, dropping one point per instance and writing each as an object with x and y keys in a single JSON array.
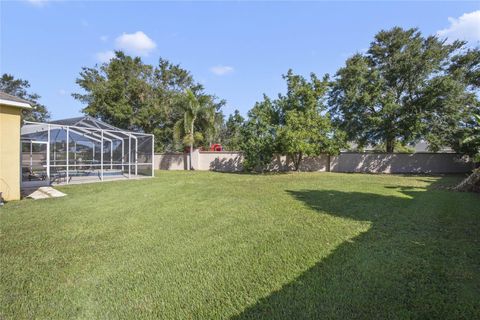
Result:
[
  {"x": 308, "y": 133},
  {"x": 451, "y": 102},
  {"x": 19, "y": 88},
  {"x": 304, "y": 128},
  {"x": 198, "y": 110},
  {"x": 465, "y": 67},
  {"x": 232, "y": 131},
  {"x": 461, "y": 131},
  {"x": 212, "y": 125},
  {"x": 295, "y": 124},
  {"x": 132, "y": 95},
  {"x": 119, "y": 92},
  {"x": 170, "y": 83},
  {"x": 379, "y": 96},
  {"x": 472, "y": 182},
  {"x": 259, "y": 132},
  {"x": 449, "y": 114}
]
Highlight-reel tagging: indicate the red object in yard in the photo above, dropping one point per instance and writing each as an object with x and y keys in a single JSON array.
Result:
[{"x": 216, "y": 147}]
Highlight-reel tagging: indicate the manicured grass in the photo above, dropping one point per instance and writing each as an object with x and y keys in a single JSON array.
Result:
[{"x": 200, "y": 245}]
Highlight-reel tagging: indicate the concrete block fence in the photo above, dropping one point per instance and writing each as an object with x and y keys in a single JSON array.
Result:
[{"x": 231, "y": 161}]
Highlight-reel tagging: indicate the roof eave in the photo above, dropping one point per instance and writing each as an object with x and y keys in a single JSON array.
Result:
[{"x": 17, "y": 104}]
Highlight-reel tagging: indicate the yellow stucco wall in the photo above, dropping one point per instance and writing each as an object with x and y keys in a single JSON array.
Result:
[{"x": 10, "y": 152}]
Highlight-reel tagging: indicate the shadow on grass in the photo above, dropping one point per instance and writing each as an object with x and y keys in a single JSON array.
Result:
[
  {"x": 254, "y": 173},
  {"x": 419, "y": 259}
]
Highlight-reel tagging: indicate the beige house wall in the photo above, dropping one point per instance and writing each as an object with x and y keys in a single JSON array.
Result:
[{"x": 10, "y": 118}]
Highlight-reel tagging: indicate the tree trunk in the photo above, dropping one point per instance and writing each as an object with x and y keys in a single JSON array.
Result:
[
  {"x": 191, "y": 145},
  {"x": 191, "y": 153},
  {"x": 297, "y": 158},
  {"x": 390, "y": 145},
  {"x": 471, "y": 183}
]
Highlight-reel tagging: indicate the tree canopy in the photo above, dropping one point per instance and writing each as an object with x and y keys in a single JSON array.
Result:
[
  {"x": 232, "y": 132},
  {"x": 295, "y": 124},
  {"x": 197, "y": 112},
  {"x": 400, "y": 87},
  {"x": 19, "y": 88},
  {"x": 259, "y": 132},
  {"x": 132, "y": 95},
  {"x": 453, "y": 97},
  {"x": 404, "y": 88},
  {"x": 305, "y": 127}
]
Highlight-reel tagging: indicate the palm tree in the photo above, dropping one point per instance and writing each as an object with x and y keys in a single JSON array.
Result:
[{"x": 197, "y": 110}]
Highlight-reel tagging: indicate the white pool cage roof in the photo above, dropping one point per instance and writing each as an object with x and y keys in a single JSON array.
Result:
[{"x": 83, "y": 149}]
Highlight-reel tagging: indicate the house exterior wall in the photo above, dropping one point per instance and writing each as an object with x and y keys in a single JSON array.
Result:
[{"x": 10, "y": 118}]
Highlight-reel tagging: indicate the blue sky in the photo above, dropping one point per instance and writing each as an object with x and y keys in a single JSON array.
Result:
[{"x": 238, "y": 50}]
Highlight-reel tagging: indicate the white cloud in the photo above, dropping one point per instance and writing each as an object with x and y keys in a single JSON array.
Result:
[
  {"x": 104, "y": 38},
  {"x": 221, "y": 70},
  {"x": 137, "y": 43},
  {"x": 38, "y": 3},
  {"x": 105, "y": 56},
  {"x": 466, "y": 27}
]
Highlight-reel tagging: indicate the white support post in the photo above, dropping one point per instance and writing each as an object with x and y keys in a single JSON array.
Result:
[
  {"x": 153, "y": 156},
  {"x": 48, "y": 153},
  {"x": 101, "y": 158},
  {"x": 129, "y": 154},
  {"x": 123, "y": 154},
  {"x": 136, "y": 156},
  {"x": 31, "y": 156},
  {"x": 68, "y": 154},
  {"x": 55, "y": 153},
  {"x": 111, "y": 155}
]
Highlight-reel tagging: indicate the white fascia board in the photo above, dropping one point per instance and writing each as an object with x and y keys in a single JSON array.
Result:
[{"x": 15, "y": 104}]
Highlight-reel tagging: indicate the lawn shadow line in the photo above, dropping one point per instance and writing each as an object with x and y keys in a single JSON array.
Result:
[{"x": 388, "y": 272}]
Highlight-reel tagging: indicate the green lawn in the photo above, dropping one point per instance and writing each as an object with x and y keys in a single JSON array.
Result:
[{"x": 202, "y": 245}]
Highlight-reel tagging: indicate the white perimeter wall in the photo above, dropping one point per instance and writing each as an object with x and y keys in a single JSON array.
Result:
[
  {"x": 344, "y": 162},
  {"x": 171, "y": 161},
  {"x": 218, "y": 161},
  {"x": 400, "y": 163}
]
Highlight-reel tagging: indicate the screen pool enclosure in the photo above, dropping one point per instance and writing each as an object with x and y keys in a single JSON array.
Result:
[{"x": 81, "y": 150}]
